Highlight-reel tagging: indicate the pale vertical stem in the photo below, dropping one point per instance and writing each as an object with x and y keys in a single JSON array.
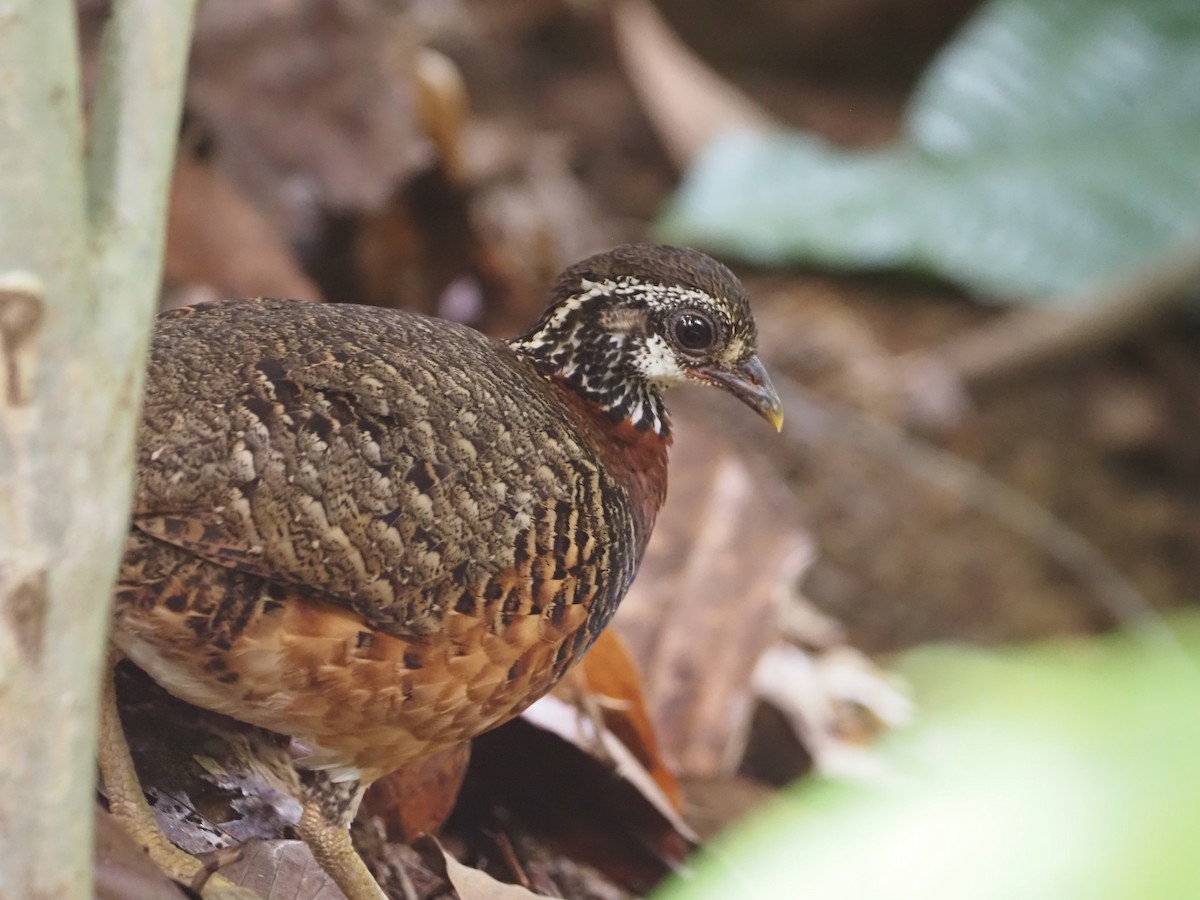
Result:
[
  {"x": 43, "y": 281},
  {"x": 79, "y": 269},
  {"x": 131, "y": 154}
]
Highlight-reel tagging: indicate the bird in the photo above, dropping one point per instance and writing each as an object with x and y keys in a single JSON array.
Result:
[{"x": 379, "y": 534}]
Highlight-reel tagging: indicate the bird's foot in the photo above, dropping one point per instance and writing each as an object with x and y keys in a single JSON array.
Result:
[
  {"x": 128, "y": 806},
  {"x": 331, "y": 846}
]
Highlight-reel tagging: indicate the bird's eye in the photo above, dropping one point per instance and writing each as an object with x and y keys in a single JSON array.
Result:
[{"x": 692, "y": 331}]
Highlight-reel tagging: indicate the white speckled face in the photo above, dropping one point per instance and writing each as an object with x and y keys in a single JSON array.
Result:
[
  {"x": 619, "y": 338},
  {"x": 658, "y": 363}
]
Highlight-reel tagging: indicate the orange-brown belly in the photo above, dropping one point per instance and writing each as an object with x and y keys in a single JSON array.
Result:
[{"x": 351, "y": 697}]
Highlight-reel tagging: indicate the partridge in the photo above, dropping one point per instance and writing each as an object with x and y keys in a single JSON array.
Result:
[{"x": 379, "y": 534}]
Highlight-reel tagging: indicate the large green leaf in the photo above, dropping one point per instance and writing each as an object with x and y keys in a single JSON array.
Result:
[
  {"x": 1068, "y": 770},
  {"x": 1054, "y": 143}
]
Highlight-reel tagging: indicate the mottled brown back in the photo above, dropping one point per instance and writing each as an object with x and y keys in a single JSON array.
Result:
[{"x": 395, "y": 465}]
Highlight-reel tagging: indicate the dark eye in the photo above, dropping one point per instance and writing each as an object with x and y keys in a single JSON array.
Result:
[{"x": 692, "y": 331}]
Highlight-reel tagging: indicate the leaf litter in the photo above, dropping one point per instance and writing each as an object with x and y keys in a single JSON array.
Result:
[{"x": 602, "y": 788}]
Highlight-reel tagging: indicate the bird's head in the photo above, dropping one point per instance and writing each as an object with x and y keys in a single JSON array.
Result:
[{"x": 625, "y": 324}]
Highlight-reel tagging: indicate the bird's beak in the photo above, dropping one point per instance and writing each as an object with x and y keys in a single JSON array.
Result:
[{"x": 750, "y": 383}]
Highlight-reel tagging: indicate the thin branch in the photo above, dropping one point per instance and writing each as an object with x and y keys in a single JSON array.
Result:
[
  {"x": 1119, "y": 596},
  {"x": 1032, "y": 340}
]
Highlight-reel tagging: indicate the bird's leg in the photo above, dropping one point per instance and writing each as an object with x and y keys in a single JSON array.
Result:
[
  {"x": 324, "y": 825},
  {"x": 128, "y": 805}
]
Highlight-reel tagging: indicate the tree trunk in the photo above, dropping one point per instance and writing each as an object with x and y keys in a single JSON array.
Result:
[{"x": 81, "y": 227}]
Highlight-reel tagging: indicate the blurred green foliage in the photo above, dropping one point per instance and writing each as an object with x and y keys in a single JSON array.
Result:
[
  {"x": 1052, "y": 144},
  {"x": 1061, "y": 771}
]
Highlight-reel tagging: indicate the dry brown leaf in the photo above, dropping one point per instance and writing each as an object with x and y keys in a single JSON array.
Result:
[
  {"x": 608, "y": 680},
  {"x": 537, "y": 779},
  {"x": 419, "y": 798},
  {"x": 212, "y": 782},
  {"x": 471, "y": 884},
  {"x": 724, "y": 559},
  {"x": 554, "y": 874},
  {"x": 571, "y": 722},
  {"x": 687, "y": 102},
  {"x": 878, "y": 43},
  {"x": 479, "y": 245},
  {"x": 216, "y": 237},
  {"x": 281, "y": 870},
  {"x": 534, "y": 216}
]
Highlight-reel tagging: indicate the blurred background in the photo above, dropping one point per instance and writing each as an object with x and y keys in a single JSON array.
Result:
[{"x": 971, "y": 232}]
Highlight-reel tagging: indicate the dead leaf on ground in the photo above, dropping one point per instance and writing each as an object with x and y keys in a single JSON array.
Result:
[
  {"x": 212, "y": 782},
  {"x": 281, "y": 870},
  {"x": 419, "y": 798},
  {"x": 572, "y": 722},
  {"x": 870, "y": 41},
  {"x": 607, "y": 683},
  {"x": 533, "y": 216},
  {"x": 722, "y": 566},
  {"x": 591, "y": 805},
  {"x": 478, "y": 247},
  {"x": 415, "y": 249},
  {"x": 713, "y": 804},
  {"x": 550, "y": 873},
  {"x": 471, "y": 884},
  {"x": 442, "y": 107}
]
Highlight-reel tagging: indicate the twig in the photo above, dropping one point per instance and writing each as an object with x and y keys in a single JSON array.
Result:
[
  {"x": 1029, "y": 341},
  {"x": 1110, "y": 587}
]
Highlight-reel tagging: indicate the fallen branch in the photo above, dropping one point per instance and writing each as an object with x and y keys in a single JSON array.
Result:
[
  {"x": 1029, "y": 341},
  {"x": 810, "y": 420}
]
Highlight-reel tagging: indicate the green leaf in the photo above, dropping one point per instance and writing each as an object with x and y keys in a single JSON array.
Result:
[
  {"x": 1053, "y": 144},
  {"x": 1065, "y": 770}
]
